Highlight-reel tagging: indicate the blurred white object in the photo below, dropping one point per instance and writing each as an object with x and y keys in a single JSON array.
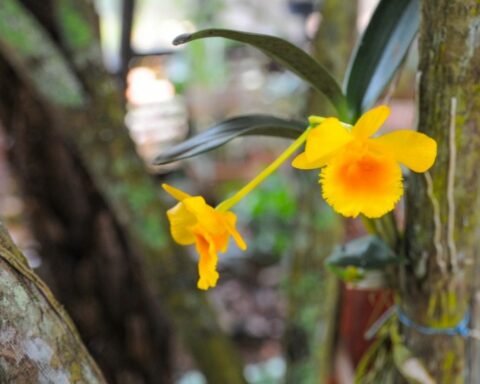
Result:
[
  {"x": 144, "y": 87},
  {"x": 156, "y": 117}
]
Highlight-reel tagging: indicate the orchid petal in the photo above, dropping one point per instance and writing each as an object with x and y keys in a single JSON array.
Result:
[
  {"x": 180, "y": 221},
  {"x": 413, "y": 149},
  {"x": 370, "y": 122},
  {"x": 322, "y": 143},
  {"x": 175, "y": 193}
]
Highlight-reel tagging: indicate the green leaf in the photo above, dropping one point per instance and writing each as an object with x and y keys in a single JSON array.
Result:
[
  {"x": 227, "y": 130},
  {"x": 367, "y": 253},
  {"x": 287, "y": 54},
  {"x": 381, "y": 51}
]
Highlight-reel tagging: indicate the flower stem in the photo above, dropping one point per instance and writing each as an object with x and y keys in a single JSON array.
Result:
[
  {"x": 230, "y": 202},
  {"x": 384, "y": 227}
]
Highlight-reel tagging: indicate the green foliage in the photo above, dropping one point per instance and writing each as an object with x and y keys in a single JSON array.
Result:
[
  {"x": 204, "y": 59},
  {"x": 369, "y": 252},
  {"x": 287, "y": 54},
  {"x": 377, "y": 56},
  {"x": 380, "y": 51},
  {"x": 276, "y": 199},
  {"x": 227, "y": 130},
  {"x": 270, "y": 211},
  {"x": 376, "y": 365},
  {"x": 352, "y": 262},
  {"x": 79, "y": 31}
]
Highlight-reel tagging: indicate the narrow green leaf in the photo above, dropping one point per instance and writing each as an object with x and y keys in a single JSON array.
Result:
[
  {"x": 369, "y": 252},
  {"x": 377, "y": 347},
  {"x": 381, "y": 51},
  {"x": 227, "y": 130},
  {"x": 287, "y": 54}
]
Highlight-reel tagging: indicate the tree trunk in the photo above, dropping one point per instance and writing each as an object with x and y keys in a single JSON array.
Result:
[
  {"x": 38, "y": 342},
  {"x": 86, "y": 258},
  {"x": 133, "y": 196},
  {"x": 441, "y": 240},
  {"x": 94, "y": 202}
]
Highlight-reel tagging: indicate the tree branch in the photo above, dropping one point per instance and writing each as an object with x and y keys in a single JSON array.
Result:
[{"x": 38, "y": 340}]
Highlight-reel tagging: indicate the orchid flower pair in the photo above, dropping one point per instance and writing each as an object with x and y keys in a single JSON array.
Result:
[{"x": 360, "y": 174}]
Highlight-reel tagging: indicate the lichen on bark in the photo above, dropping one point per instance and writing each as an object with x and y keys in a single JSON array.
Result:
[
  {"x": 37, "y": 341},
  {"x": 441, "y": 245}
]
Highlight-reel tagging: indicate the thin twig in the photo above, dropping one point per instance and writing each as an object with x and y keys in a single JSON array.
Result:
[
  {"x": 437, "y": 237},
  {"x": 450, "y": 187}
]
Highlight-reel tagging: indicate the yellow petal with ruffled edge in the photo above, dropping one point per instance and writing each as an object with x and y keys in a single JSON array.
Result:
[
  {"x": 369, "y": 183},
  {"x": 413, "y": 149},
  {"x": 361, "y": 174},
  {"x": 370, "y": 122},
  {"x": 323, "y": 142}
]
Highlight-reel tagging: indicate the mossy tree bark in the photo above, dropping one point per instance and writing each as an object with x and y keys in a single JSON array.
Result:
[
  {"x": 85, "y": 255},
  {"x": 312, "y": 291},
  {"x": 38, "y": 342},
  {"x": 96, "y": 206},
  {"x": 441, "y": 239}
]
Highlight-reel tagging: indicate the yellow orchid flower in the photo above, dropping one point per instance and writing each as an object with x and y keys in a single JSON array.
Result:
[
  {"x": 361, "y": 174},
  {"x": 193, "y": 221}
]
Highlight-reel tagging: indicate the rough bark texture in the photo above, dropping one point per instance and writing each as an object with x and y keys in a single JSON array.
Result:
[
  {"x": 441, "y": 243},
  {"x": 85, "y": 255},
  {"x": 313, "y": 292},
  {"x": 103, "y": 215},
  {"x": 38, "y": 343},
  {"x": 120, "y": 175}
]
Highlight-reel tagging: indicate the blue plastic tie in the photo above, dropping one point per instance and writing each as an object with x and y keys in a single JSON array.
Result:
[{"x": 461, "y": 329}]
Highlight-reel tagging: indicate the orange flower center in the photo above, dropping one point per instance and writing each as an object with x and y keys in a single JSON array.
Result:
[
  {"x": 363, "y": 174},
  {"x": 362, "y": 181}
]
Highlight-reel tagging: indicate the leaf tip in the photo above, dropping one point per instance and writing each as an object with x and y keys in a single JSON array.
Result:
[
  {"x": 182, "y": 39},
  {"x": 159, "y": 160}
]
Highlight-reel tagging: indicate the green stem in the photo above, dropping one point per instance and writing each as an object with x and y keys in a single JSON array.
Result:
[
  {"x": 384, "y": 227},
  {"x": 230, "y": 202},
  {"x": 395, "y": 232}
]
